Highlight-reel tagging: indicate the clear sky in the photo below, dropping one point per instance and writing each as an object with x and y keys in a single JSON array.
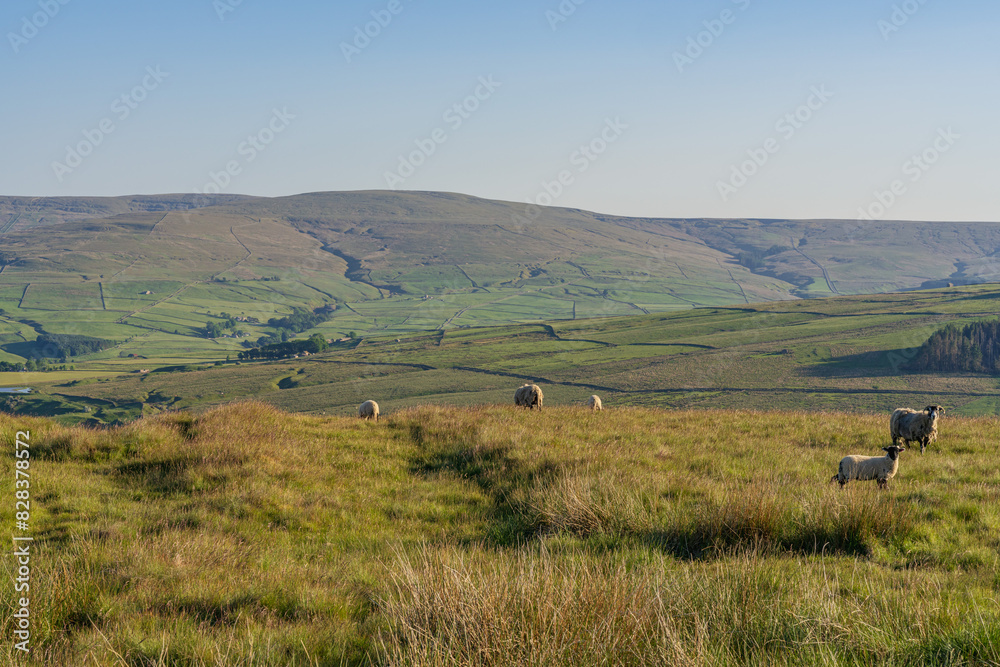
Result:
[{"x": 723, "y": 108}]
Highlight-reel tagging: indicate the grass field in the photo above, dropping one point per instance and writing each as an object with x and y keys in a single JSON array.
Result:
[
  {"x": 191, "y": 510},
  {"x": 842, "y": 353},
  {"x": 491, "y": 535},
  {"x": 394, "y": 263},
  {"x": 644, "y": 312}
]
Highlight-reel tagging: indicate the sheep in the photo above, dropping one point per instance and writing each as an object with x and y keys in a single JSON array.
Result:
[
  {"x": 368, "y": 410},
  {"x": 916, "y": 426},
  {"x": 595, "y": 403},
  {"x": 880, "y": 468},
  {"x": 529, "y": 396}
]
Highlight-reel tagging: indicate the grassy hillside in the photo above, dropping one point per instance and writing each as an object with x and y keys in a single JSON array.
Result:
[
  {"x": 844, "y": 353},
  {"x": 480, "y": 295},
  {"x": 30, "y": 213},
  {"x": 155, "y": 270},
  {"x": 490, "y": 535}
]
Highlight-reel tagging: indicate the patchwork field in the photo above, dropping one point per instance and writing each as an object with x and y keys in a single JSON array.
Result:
[
  {"x": 470, "y": 300},
  {"x": 192, "y": 509},
  {"x": 394, "y": 263},
  {"x": 843, "y": 353}
]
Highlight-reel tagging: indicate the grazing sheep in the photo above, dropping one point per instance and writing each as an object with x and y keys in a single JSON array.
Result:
[
  {"x": 368, "y": 410},
  {"x": 529, "y": 396},
  {"x": 915, "y": 426},
  {"x": 595, "y": 403},
  {"x": 881, "y": 468}
]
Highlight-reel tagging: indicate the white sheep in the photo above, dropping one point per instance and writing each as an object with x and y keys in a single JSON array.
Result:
[
  {"x": 595, "y": 403},
  {"x": 528, "y": 395},
  {"x": 880, "y": 468},
  {"x": 915, "y": 426},
  {"x": 368, "y": 410}
]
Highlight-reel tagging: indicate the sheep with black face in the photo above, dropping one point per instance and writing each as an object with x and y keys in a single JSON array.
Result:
[
  {"x": 368, "y": 410},
  {"x": 528, "y": 396},
  {"x": 915, "y": 425},
  {"x": 879, "y": 468}
]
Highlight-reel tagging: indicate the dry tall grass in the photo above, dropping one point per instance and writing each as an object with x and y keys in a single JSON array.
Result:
[
  {"x": 489, "y": 536},
  {"x": 534, "y": 607}
]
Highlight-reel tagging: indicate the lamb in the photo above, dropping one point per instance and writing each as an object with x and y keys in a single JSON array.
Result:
[
  {"x": 528, "y": 396},
  {"x": 880, "y": 468},
  {"x": 595, "y": 403},
  {"x": 915, "y": 426},
  {"x": 368, "y": 410}
]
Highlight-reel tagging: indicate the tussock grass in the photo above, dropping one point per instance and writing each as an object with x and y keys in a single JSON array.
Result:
[
  {"x": 670, "y": 481},
  {"x": 490, "y": 535},
  {"x": 535, "y": 606}
]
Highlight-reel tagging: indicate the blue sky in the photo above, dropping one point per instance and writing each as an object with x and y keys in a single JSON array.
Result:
[{"x": 784, "y": 110}]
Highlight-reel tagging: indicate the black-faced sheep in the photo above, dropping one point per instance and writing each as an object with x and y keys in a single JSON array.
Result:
[
  {"x": 595, "y": 403},
  {"x": 368, "y": 410},
  {"x": 528, "y": 396},
  {"x": 881, "y": 468},
  {"x": 915, "y": 426}
]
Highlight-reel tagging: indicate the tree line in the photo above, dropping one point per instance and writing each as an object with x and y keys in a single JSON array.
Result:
[
  {"x": 61, "y": 346},
  {"x": 312, "y": 345},
  {"x": 301, "y": 319},
  {"x": 973, "y": 348},
  {"x": 32, "y": 366}
]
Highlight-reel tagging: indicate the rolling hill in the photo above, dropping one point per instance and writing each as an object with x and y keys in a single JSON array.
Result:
[
  {"x": 145, "y": 276},
  {"x": 24, "y": 213},
  {"x": 844, "y": 353},
  {"x": 398, "y": 262}
]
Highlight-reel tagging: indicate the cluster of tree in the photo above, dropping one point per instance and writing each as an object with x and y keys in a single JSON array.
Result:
[
  {"x": 218, "y": 329},
  {"x": 312, "y": 345},
  {"x": 301, "y": 319},
  {"x": 270, "y": 339},
  {"x": 61, "y": 346},
  {"x": 754, "y": 259},
  {"x": 32, "y": 366},
  {"x": 973, "y": 348}
]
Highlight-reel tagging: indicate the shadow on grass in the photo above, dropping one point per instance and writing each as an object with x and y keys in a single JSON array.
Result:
[
  {"x": 501, "y": 477},
  {"x": 159, "y": 477},
  {"x": 705, "y": 541},
  {"x": 218, "y": 613},
  {"x": 865, "y": 364},
  {"x": 531, "y": 502}
]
